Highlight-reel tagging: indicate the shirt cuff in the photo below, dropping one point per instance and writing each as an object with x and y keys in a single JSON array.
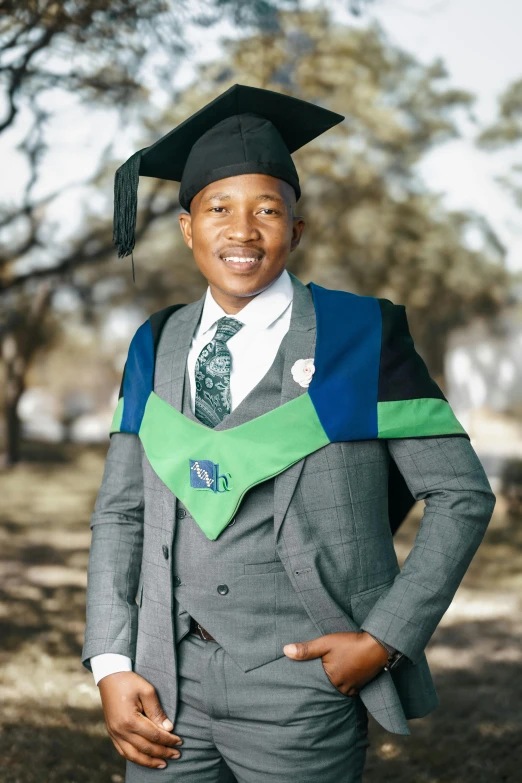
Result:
[{"x": 109, "y": 663}]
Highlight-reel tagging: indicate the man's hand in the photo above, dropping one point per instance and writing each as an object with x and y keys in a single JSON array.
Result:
[
  {"x": 136, "y": 723},
  {"x": 350, "y": 658}
]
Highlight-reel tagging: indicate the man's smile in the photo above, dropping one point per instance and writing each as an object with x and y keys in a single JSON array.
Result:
[{"x": 242, "y": 258}]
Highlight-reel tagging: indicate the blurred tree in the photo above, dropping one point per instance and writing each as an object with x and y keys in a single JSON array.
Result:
[
  {"x": 102, "y": 54},
  {"x": 506, "y": 131},
  {"x": 373, "y": 227}
]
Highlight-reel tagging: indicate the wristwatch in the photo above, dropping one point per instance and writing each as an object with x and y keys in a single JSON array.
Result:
[
  {"x": 393, "y": 660},
  {"x": 394, "y": 656}
]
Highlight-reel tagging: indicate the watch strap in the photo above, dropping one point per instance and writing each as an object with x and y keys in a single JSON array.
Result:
[{"x": 394, "y": 660}]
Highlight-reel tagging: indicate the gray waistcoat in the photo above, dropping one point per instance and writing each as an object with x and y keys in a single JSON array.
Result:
[{"x": 236, "y": 586}]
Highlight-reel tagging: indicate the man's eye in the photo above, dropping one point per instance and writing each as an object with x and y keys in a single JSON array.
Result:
[
  {"x": 267, "y": 209},
  {"x": 213, "y": 208}
]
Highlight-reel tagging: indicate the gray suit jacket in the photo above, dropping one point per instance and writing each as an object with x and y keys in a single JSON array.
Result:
[{"x": 332, "y": 535}]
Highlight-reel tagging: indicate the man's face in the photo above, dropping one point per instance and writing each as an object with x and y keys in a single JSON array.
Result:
[{"x": 241, "y": 231}]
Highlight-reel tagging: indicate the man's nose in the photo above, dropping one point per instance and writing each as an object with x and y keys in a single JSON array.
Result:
[{"x": 242, "y": 227}]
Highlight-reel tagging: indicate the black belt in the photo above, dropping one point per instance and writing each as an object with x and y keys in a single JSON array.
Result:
[{"x": 197, "y": 629}]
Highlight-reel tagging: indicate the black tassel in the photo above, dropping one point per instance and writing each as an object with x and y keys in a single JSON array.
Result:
[{"x": 125, "y": 205}]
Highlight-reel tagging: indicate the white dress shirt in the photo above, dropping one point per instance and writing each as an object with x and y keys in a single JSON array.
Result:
[{"x": 253, "y": 348}]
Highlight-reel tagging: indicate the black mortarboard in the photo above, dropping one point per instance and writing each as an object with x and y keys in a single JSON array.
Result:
[{"x": 246, "y": 130}]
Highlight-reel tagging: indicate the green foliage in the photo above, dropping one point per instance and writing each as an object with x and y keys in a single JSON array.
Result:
[
  {"x": 505, "y": 132},
  {"x": 508, "y": 126}
]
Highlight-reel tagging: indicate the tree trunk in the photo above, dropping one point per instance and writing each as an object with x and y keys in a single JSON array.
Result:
[
  {"x": 20, "y": 342},
  {"x": 14, "y": 364}
]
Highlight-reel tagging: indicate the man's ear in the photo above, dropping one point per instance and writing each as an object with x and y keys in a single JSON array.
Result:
[
  {"x": 185, "y": 223},
  {"x": 297, "y": 230}
]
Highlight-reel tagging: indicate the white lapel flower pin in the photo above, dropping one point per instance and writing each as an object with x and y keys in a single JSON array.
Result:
[{"x": 302, "y": 371}]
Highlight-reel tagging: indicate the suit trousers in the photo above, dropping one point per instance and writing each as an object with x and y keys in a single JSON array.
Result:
[{"x": 281, "y": 722}]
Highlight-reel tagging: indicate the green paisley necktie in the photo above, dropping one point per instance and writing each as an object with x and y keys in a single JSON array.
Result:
[{"x": 213, "y": 374}]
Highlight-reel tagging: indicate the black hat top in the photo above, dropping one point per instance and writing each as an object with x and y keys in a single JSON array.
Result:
[{"x": 245, "y": 130}]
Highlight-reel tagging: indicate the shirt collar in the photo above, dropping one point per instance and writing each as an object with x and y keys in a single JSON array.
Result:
[{"x": 260, "y": 312}]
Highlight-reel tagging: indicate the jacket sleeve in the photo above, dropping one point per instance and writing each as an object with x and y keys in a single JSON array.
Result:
[
  {"x": 444, "y": 471},
  {"x": 115, "y": 553}
]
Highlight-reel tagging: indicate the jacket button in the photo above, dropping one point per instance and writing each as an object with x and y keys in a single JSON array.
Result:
[
  {"x": 222, "y": 589},
  {"x": 180, "y": 513},
  {"x": 165, "y": 551},
  {"x": 177, "y": 581}
]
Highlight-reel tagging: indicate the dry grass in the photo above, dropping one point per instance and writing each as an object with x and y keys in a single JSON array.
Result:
[{"x": 51, "y": 724}]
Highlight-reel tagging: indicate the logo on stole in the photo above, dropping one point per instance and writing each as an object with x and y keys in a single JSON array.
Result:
[{"x": 204, "y": 474}]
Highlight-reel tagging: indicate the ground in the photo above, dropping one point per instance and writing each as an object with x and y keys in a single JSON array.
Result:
[{"x": 51, "y": 723}]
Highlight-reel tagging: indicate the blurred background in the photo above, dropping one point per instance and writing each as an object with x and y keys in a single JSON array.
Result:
[{"x": 415, "y": 197}]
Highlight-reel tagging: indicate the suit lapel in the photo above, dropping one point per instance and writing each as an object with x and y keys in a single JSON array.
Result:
[
  {"x": 299, "y": 343},
  {"x": 172, "y": 352},
  {"x": 169, "y": 374}
]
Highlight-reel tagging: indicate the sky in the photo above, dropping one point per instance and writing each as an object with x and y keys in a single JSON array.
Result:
[{"x": 478, "y": 41}]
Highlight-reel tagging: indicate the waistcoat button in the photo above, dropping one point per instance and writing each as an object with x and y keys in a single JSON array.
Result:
[
  {"x": 232, "y": 523},
  {"x": 222, "y": 589},
  {"x": 177, "y": 581},
  {"x": 180, "y": 513},
  {"x": 165, "y": 551}
]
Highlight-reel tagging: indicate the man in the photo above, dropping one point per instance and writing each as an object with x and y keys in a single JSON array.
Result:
[{"x": 245, "y": 607}]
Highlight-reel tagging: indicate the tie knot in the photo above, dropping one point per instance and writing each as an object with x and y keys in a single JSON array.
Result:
[{"x": 227, "y": 328}]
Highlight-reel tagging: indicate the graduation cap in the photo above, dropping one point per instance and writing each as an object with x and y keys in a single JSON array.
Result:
[{"x": 245, "y": 130}]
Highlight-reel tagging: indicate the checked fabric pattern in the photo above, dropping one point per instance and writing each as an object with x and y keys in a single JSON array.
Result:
[{"x": 213, "y": 374}]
